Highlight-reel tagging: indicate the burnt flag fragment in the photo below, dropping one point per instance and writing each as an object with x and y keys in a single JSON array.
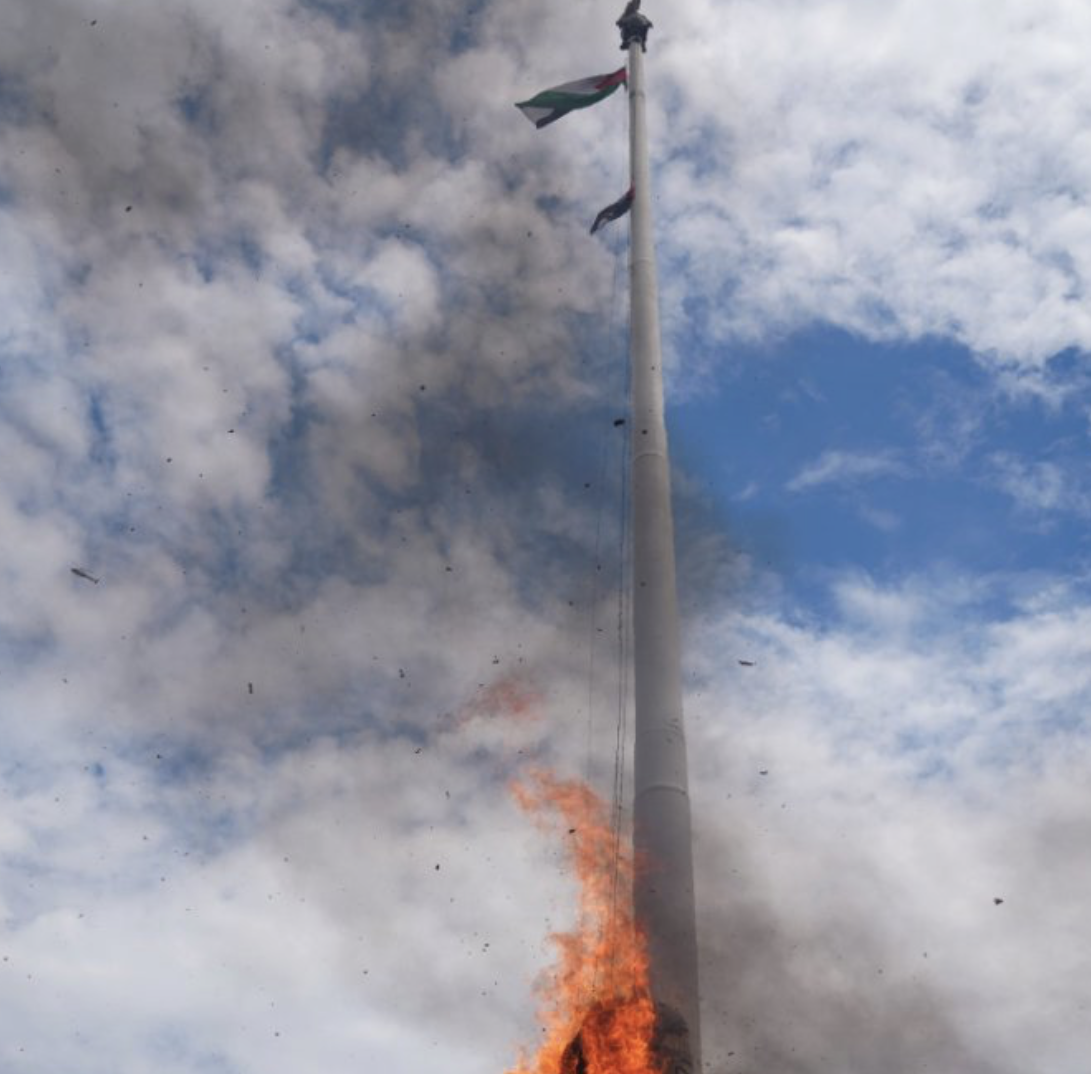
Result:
[{"x": 612, "y": 212}]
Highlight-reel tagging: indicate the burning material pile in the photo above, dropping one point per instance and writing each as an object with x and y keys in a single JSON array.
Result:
[{"x": 597, "y": 1012}]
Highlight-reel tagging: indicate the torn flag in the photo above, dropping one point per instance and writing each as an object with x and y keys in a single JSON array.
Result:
[{"x": 612, "y": 212}]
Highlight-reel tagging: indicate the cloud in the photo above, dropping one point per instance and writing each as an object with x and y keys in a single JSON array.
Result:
[
  {"x": 846, "y": 467},
  {"x": 886, "y": 521},
  {"x": 263, "y": 373},
  {"x": 1039, "y": 487},
  {"x": 877, "y": 785},
  {"x": 305, "y": 352},
  {"x": 871, "y": 169}
]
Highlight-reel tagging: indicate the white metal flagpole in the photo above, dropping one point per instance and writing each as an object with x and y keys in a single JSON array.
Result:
[{"x": 663, "y": 888}]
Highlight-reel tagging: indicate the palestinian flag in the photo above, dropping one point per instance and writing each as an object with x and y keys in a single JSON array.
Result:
[
  {"x": 551, "y": 104},
  {"x": 612, "y": 212}
]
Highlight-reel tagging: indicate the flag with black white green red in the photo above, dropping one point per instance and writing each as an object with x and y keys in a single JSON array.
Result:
[
  {"x": 614, "y": 210},
  {"x": 549, "y": 105}
]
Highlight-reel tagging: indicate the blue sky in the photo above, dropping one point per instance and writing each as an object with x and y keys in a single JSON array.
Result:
[
  {"x": 307, "y": 356},
  {"x": 833, "y": 453}
]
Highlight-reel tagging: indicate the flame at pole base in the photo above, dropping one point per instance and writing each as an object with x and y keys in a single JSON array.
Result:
[
  {"x": 614, "y": 1037},
  {"x": 597, "y": 1045},
  {"x": 598, "y": 1014}
]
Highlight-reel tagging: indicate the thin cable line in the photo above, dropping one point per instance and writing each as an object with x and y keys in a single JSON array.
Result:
[
  {"x": 616, "y": 345},
  {"x": 595, "y": 587},
  {"x": 623, "y": 671}
]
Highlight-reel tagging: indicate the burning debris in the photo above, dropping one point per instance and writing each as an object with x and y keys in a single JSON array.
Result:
[
  {"x": 597, "y": 1012},
  {"x": 511, "y": 697}
]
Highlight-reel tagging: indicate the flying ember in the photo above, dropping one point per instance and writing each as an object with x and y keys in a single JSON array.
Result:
[{"x": 596, "y": 1008}]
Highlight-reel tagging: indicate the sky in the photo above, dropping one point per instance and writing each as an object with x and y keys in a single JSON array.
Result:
[{"x": 308, "y": 360}]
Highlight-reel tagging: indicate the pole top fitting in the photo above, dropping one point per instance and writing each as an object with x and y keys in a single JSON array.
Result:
[{"x": 634, "y": 27}]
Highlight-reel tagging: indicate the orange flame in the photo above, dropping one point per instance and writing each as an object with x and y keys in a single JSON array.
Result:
[
  {"x": 511, "y": 697},
  {"x": 596, "y": 1007}
]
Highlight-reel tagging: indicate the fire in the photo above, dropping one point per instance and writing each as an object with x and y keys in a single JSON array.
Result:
[
  {"x": 596, "y": 1007},
  {"x": 511, "y": 697}
]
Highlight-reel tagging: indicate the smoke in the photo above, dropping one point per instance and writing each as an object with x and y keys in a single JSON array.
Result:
[
  {"x": 307, "y": 356},
  {"x": 807, "y": 981},
  {"x": 882, "y": 885}
]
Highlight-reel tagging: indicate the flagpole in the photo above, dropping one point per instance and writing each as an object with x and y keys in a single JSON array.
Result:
[{"x": 663, "y": 890}]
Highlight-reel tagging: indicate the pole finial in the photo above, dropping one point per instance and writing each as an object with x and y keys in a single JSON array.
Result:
[{"x": 634, "y": 26}]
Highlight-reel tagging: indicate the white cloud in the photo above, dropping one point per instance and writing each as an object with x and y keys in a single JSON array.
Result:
[
  {"x": 901, "y": 171},
  {"x": 326, "y": 215},
  {"x": 836, "y": 467},
  {"x": 885, "y": 521},
  {"x": 919, "y": 765},
  {"x": 1039, "y": 487}
]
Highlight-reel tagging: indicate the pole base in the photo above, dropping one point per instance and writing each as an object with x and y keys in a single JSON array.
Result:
[{"x": 671, "y": 1041}]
